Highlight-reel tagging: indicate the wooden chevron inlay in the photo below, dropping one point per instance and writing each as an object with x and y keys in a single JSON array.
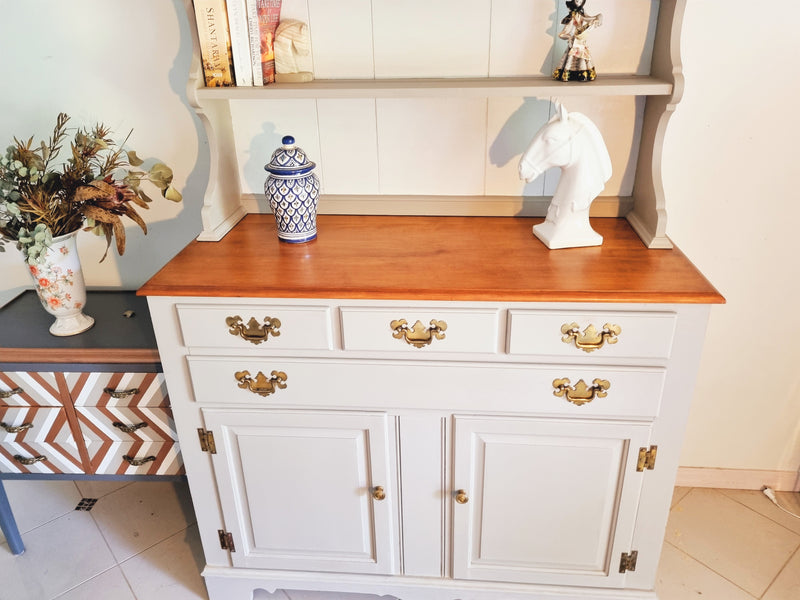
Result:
[
  {"x": 37, "y": 389},
  {"x": 126, "y": 389}
]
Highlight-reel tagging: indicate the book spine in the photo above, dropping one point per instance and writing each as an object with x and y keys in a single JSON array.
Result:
[
  {"x": 215, "y": 43},
  {"x": 240, "y": 42},
  {"x": 255, "y": 42},
  {"x": 269, "y": 15}
]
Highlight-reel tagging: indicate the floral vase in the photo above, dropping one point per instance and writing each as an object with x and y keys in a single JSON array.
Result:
[{"x": 58, "y": 281}]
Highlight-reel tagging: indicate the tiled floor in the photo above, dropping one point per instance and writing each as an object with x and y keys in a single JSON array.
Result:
[{"x": 140, "y": 542}]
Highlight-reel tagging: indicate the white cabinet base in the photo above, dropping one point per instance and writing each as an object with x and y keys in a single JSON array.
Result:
[{"x": 245, "y": 583}]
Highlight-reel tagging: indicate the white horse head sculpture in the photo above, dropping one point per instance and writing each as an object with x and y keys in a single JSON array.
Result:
[{"x": 570, "y": 141}]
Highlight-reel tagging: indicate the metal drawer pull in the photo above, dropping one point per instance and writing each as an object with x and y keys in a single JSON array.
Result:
[
  {"x": 128, "y": 428},
  {"x": 591, "y": 339},
  {"x": 262, "y": 385},
  {"x": 461, "y": 496},
  {"x": 253, "y": 332},
  {"x": 378, "y": 493},
  {"x": 137, "y": 462},
  {"x": 29, "y": 461},
  {"x": 121, "y": 393},
  {"x": 418, "y": 335},
  {"x": 16, "y": 428},
  {"x": 581, "y": 393},
  {"x": 8, "y": 393}
]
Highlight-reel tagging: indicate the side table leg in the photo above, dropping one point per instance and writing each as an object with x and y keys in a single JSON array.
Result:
[{"x": 9, "y": 525}]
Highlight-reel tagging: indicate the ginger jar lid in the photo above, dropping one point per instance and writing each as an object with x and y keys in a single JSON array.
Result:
[{"x": 289, "y": 160}]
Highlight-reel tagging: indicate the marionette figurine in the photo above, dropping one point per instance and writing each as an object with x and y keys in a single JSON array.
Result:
[{"x": 576, "y": 64}]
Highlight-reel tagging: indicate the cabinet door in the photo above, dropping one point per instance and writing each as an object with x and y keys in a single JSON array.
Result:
[
  {"x": 548, "y": 501},
  {"x": 299, "y": 489}
]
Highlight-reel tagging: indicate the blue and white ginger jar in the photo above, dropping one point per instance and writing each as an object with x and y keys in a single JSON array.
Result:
[{"x": 292, "y": 190}]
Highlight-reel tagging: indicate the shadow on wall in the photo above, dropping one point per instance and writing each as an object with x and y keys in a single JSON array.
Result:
[
  {"x": 267, "y": 138},
  {"x": 143, "y": 258}
]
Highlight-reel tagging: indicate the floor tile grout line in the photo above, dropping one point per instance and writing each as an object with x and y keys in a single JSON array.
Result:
[
  {"x": 720, "y": 575},
  {"x": 73, "y": 588},
  {"x": 783, "y": 568},
  {"x": 758, "y": 512},
  {"x": 150, "y": 547}
]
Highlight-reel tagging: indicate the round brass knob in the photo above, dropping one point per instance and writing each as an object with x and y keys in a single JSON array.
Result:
[
  {"x": 378, "y": 493},
  {"x": 461, "y": 497}
]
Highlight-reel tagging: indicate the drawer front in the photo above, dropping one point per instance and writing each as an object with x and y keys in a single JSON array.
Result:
[
  {"x": 127, "y": 423},
  {"x": 20, "y": 388},
  {"x": 420, "y": 330},
  {"x": 135, "y": 458},
  {"x": 519, "y": 388},
  {"x": 39, "y": 457},
  {"x": 34, "y": 424},
  {"x": 117, "y": 389},
  {"x": 599, "y": 335},
  {"x": 263, "y": 327}
]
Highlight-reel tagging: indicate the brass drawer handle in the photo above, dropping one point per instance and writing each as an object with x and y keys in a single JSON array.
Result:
[
  {"x": 418, "y": 335},
  {"x": 581, "y": 393},
  {"x": 29, "y": 461},
  {"x": 461, "y": 496},
  {"x": 8, "y": 393},
  {"x": 591, "y": 339},
  {"x": 137, "y": 462},
  {"x": 16, "y": 428},
  {"x": 118, "y": 394},
  {"x": 253, "y": 332},
  {"x": 378, "y": 493},
  {"x": 262, "y": 385},
  {"x": 128, "y": 428}
]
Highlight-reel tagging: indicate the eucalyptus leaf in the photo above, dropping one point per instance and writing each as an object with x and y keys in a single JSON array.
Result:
[
  {"x": 133, "y": 159},
  {"x": 172, "y": 194}
]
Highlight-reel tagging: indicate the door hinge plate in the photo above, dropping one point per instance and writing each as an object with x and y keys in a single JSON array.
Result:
[
  {"x": 206, "y": 441},
  {"x": 647, "y": 459},
  {"x": 226, "y": 541},
  {"x": 628, "y": 561}
]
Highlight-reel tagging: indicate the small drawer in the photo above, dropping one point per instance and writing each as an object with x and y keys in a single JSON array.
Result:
[
  {"x": 117, "y": 389},
  {"x": 21, "y": 388},
  {"x": 135, "y": 458},
  {"x": 39, "y": 457},
  {"x": 599, "y": 335},
  {"x": 631, "y": 392},
  {"x": 127, "y": 423},
  {"x": 252, "y": 326},
  {"x": 420, "y": 330},
  {"x": 34, "y": 424}
]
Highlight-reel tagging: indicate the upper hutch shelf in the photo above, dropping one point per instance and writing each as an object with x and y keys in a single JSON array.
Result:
[
  {"x": 610, "y": 85},
  {"x": 460, "y": 94}
]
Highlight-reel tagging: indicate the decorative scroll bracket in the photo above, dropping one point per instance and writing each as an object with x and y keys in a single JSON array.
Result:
[
  {"x": 580, "y": 393},
  {"x": 261, "y": 384},
  {"x": 591, "y": 339},
  {"x": 418, "y": 335},
  {"x": 254, "y": 332}
]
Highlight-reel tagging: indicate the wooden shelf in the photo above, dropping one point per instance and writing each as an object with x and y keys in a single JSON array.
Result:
[{"x": 444, "y": 87}]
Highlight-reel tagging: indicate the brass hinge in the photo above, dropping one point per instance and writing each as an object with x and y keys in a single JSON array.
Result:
[
  {"x": 206, "y": 441},
  {"x": 647, "y": 459},
  {"x": 628, "y": 561},
  {"x": 226, "y": 540}
]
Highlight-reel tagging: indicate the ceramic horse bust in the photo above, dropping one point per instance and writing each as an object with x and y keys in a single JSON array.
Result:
[{"x": 570, "y": 141}]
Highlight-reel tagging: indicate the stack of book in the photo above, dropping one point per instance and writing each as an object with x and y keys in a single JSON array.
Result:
[{"x": 237, "y": 40}]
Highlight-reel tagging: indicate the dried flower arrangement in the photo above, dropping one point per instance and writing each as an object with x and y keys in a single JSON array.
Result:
[{"x": 93, "y": 189}]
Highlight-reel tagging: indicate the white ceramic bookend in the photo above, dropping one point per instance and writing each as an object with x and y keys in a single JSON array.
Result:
[
  {"x": 292, "y": 52},
  {"x": 572, "y": 142}
]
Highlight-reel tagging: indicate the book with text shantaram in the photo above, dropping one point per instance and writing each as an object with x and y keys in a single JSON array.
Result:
[
  {"x": 240, "y": 42},
  {"x": 215, "y": 42}
]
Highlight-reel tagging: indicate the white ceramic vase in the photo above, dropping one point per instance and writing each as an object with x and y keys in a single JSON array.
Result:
[{"x": 59, "y": 283}]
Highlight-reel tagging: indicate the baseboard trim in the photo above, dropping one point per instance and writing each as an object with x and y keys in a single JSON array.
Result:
[{"x": 738, "y": 479}]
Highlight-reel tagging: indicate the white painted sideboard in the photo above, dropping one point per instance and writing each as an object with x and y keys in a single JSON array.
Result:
[{"x": 494, "y": 450}]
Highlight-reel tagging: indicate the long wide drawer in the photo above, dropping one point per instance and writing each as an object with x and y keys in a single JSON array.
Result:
[
  {"x": 117, "y": 389},
  {"x": 547, "y": 389},
  {"x": 127, "y": 423}
]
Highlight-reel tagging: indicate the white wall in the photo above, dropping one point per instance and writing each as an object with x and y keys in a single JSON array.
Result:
[{"x": 730, "y": 183}]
